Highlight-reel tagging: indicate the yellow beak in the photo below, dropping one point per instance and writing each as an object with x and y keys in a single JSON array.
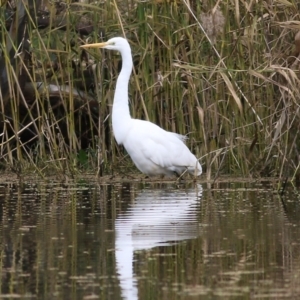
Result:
[{"x": 96, "y": 45}]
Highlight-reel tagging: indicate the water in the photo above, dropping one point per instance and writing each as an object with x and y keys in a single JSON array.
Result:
[{"x": 149, "y": 241}]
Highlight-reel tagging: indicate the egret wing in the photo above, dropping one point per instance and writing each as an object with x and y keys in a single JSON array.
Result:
[{"x": 166, "y": 149}]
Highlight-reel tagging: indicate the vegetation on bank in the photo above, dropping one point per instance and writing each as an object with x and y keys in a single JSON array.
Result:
[{"x": 223, "y": 72}]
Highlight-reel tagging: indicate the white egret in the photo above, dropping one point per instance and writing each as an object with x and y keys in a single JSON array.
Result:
[{"x": 153, "y": 150}]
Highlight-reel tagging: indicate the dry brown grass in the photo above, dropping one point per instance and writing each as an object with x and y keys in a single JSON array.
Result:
[{"x": 225, "y": 74}]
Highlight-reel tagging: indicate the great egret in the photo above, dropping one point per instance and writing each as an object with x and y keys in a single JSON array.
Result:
[{"x": 153, "y": 150}]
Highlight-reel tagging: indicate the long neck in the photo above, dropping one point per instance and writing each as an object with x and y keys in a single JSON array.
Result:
[{"x": 120, "y": 112}]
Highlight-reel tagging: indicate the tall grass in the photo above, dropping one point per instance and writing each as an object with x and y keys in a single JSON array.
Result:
[{"x": 226, "y": 74}]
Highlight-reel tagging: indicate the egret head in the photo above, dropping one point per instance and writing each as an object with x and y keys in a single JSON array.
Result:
[{"x": 116, "y": 43}]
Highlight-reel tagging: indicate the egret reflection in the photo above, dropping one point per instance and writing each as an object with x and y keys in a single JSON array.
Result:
[{"x": 156, "y": 218}]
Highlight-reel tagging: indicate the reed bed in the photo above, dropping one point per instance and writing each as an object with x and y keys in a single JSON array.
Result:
[{"x": 223, "y": 72}]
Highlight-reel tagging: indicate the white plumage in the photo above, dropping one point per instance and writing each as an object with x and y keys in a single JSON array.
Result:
[{"x": 153, "y": 150}]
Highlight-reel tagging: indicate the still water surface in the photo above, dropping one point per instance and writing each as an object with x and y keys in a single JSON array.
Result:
[{"x": 149, "y": 241}]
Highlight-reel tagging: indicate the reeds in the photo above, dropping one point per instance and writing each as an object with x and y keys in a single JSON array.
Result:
[{"x": 226, "y": 74}]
